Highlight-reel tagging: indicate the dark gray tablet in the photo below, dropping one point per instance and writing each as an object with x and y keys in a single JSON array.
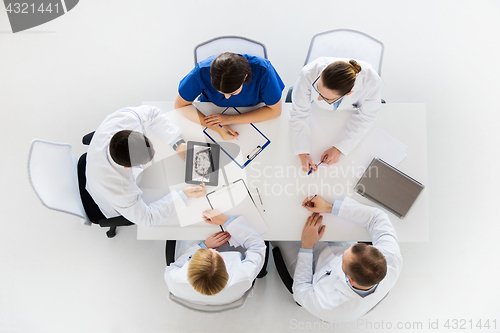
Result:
[
  {"x": 202, "y": 163},
  {"x": 390, "y": 188}
]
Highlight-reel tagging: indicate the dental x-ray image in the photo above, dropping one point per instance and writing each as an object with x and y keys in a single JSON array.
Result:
[{"x": 202, "y": 163}]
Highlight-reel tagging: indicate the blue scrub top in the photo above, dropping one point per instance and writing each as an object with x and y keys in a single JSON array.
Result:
[{"x": 265, "y": 85}]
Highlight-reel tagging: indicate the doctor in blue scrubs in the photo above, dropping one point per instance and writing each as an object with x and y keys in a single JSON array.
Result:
[{"x": 231, "y": 80}]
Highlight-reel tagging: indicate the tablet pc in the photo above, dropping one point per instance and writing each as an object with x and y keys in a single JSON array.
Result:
[
  {"x": 390, "y": 188},
  {"x": 202, "y": 163}
]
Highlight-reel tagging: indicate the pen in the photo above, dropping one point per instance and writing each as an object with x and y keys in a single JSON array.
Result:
[
  {"x": 227, "y": 131},
  {"x": 307, "y": 203},
  {"x": 311, "y": 170},
  {"x": 260, "y": 199}
]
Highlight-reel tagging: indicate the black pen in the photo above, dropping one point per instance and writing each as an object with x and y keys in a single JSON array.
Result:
[{"x": 307, "y": 203}]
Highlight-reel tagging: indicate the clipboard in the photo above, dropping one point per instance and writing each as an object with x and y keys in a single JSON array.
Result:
[
  {"x": 235, "y": 200},
  {"x": 251, "y": 141}
]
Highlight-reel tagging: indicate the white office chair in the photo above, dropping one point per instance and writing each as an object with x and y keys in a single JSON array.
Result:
[
  {"x": 344, "y": 43},
  {"x": 52, "y": 171},
  {"x": 58, "y": 179},
  {"x": 210, "y": 308},
  {"x": 235, "y": 44}
]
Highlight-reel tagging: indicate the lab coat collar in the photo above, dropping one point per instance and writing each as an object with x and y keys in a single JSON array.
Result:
[
  {"x": 334, "y": 280},
  {"x": 359, "y": 84},
  {"x": 344, "y": 287}
]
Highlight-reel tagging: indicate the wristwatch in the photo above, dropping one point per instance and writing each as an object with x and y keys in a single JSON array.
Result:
[{"x": 177, "y": 144}]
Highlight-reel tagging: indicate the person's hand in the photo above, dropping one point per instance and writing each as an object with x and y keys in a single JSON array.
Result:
[
  {"x": 331, "y": 156},
  {"x": 218, "y": 119},
  {"x": 227, "y": 134},
  {"x": 218, "y": 239},
  {"x": 318, "y": 205},
  {"x": 181, "y": 150},
  {"x": 313, "y": 231},
  {"x": 195, "y": 191},
  {"x": 307, "y": 163},
  {"x": 214, "y": 217}
]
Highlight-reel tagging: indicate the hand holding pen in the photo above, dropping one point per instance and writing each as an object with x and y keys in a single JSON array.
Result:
[
  {"x": 317, "y": 204},
  {"x": 308, "y": 201},
  {"x": 311, "y": 170},
  {"x": 227, "y": 133},
  {"x": 307, "y": 162},
  {"x": 213, "y": 216}
]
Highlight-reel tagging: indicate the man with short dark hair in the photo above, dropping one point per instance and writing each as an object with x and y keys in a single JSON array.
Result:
[
  {"x": 117, "y": 152},
  {"x": 128, "y": 148},
  {"x": 336, "y": 285}
]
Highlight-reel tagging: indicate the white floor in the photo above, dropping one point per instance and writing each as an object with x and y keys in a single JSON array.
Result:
[{"x": 59, "y": 80}]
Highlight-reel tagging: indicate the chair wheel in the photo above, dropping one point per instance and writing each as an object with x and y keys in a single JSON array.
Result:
[
  {"x": 262, "y": 274},
  {"x": 111, "y": 232}
]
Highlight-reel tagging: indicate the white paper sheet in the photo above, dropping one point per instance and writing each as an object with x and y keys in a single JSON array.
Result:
[
  {"x": 324, "y": 130},
  {"x": 379, "y": 144},
  {"x": 234, "y": 200},
  {"x": 193, "y": 212}
]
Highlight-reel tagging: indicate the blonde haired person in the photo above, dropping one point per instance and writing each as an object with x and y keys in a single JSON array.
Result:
[
  {"x": 334, "y": 84},
  {"x": 207, "y": 271},
  {"x": 212, "y": 272}
]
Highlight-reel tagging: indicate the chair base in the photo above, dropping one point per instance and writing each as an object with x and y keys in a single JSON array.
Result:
[
  {"x": 111, "y": 232},
  {"x": 282, "y": 270},
  {"x": 262, "y": 274},
  {"x": 170, "y": 251},
  {"x": 263, "y": 271}
]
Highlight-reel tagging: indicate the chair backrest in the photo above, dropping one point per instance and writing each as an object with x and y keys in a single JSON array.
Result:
[
  {"x": 52, "y": 171},
  {"x": 211, "y": 308},
  {"x": 345, "y": 43},
  {"x": 235, "y": 44}
]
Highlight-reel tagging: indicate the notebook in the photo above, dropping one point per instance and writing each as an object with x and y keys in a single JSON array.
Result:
[{"x": 388, "y": 187}]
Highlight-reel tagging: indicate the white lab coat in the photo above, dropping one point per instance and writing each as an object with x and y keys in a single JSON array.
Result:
[
  {"x": 242, "y": 271},
  {"x": 364, "y": 100},
  {"x": 113, "y": 187},
  {"x": 327, "y": 295}
]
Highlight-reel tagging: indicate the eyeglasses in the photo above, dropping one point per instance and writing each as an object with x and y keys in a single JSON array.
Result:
[{"x": 324, "y": 98}]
